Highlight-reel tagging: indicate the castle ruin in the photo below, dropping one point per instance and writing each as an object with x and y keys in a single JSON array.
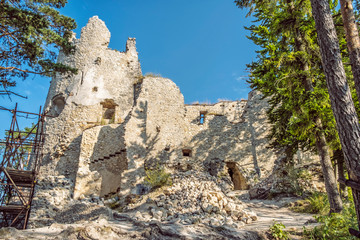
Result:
[{"x": 110, "y": 123}]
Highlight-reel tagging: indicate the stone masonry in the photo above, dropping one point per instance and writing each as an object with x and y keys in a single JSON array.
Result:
[{"x": 110, "y": 122}]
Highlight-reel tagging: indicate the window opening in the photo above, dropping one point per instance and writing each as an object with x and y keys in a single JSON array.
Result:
[
  {"x": 202, "y": 117},
  {"x": 186, "y": 152},
  {"x": 58, "y": 105},
  {"x": 108, "y": 109}
]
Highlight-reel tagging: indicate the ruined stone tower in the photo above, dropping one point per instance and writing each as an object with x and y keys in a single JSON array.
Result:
[{"x": 109, "y": 122}]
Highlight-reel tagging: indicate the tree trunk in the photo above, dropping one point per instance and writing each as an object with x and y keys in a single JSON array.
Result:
[
  {"x": 352, "y": 40},
  {"x": 328, "y": 171},
  {"x": 342, "y": 105},
  {"x": 332, "y": 190},
  {"x": 338, "y": 155}
]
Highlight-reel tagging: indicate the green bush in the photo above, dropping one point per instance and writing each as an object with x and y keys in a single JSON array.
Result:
[
  {"x": 317, "y": 203},
  {"x": 277, "y": 231},
  {"x": 336, "y": 225},
  {"x": 157, "y": 177}
]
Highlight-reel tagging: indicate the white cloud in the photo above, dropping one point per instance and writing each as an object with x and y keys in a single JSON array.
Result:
[{"x": 241, "y": 78}]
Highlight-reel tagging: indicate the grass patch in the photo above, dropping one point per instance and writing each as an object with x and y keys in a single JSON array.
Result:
[
  {"x": 317, "y": 203},
  {"x": 157, "y": 177},
  {"x": 150, "y": 74}
]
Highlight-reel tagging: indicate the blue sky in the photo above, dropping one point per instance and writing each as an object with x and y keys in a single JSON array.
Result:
[{"x": 200, "y": 45}]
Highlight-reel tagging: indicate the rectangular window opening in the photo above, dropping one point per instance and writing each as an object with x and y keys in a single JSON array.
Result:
[
  {"x": 109, "y": 109},
  {"x": 186, "y": 152},
  {"x": 202, "y": 117}
]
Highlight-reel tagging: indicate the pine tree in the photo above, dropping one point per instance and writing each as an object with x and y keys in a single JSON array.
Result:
[
  {"x": 288, "y": 72},
  {"x": 31, "y": 34},
  {"x": 341, "y": 100},
  {"x": 352, "y": 40}
]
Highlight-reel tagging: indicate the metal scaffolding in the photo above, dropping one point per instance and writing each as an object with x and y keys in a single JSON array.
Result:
[{"x": 18, "y": 169}]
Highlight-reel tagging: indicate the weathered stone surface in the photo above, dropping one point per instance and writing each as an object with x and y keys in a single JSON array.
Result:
[
  {"x": 110, "y": 123},
  {"x": 101, "y": 162},
  {"x": 102, "y": 92}
]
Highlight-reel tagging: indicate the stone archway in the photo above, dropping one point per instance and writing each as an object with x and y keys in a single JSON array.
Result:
[{"x": 237, "y": 177}]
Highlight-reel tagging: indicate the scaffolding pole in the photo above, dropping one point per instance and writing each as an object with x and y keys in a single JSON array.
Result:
[{"x": 19, "y": 168}]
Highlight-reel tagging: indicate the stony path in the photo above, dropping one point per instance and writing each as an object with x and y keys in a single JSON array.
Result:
[
  {"x": 124, "y": 227},
  {"x": 269, "y": 211}
]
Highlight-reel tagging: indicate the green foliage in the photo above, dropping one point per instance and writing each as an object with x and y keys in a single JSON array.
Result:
[
  {"x": 21, "y": 155},
  {"x": 31, "y": 34},
  {"x": 277, "y": 231},
  {"x": 157, "y": 177},
  {"x": 114, "y": 205},
  {"x": 150, "y": 74},
  {"x": 336, "y": 225},
  {"x": 317, "y": 203},
  {"x": 289, "y": 72}
]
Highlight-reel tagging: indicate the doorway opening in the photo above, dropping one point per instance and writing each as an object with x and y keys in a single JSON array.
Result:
[{"x": 237, "y": 177}]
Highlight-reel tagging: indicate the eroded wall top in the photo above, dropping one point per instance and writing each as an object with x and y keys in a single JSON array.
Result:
[{"x": 103, "y": 73}]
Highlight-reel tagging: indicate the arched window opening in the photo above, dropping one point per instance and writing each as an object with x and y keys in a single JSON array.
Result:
[{"x": 58, "y": 105}]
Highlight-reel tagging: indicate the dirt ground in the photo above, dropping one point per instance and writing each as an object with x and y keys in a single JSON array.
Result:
[{"x": 123, "y": 226}]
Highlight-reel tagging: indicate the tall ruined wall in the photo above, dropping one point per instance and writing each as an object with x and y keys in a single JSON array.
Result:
[
  {"x": 155, "y": 130},
  {"x": 110, "y": 123},
  {"x": 102, "y": 73},
  {"x": 101, "y": 92},
  {"x": 102, "y": 161}
]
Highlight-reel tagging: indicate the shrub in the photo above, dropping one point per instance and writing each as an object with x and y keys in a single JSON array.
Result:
[
  {"x": 157, "y": 177},
  {"x": 277, "y": 231},
  {"x": 336, "y": 225},
  {"x": 317, "y": 203}
]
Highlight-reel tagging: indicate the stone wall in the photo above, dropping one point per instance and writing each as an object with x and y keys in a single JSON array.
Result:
[
  {"x": 102, "y": 161},
  {"x": 110, "y": 123},
  {"x": 102, "y": 92},
  {"x": 233, "y": 132}
]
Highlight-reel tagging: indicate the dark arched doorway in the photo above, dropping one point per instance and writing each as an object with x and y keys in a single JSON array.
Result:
[{"x": 237, "y": 177}]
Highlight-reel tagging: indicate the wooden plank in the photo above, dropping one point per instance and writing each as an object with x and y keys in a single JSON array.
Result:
[
  {"x": 20, "y": 171},
  {"x": 15, "y": 187},
  {"x": 21, "y": 177},
  {"x": 12, "y": 209}
]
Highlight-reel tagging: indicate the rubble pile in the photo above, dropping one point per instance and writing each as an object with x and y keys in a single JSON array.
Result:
[{"x": 193, "y": 198}]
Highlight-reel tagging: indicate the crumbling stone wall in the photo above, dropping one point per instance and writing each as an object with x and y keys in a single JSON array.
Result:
[
  {"x": 232, "y": 131},
  {"x": 104, "y": 83},
  {"x": 155, "y": 129},
  {"x": 110, "y": 123}
]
